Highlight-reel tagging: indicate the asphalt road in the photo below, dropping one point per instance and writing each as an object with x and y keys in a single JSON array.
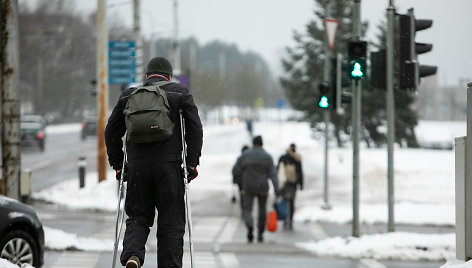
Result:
[{"x": 219, "y": 233}]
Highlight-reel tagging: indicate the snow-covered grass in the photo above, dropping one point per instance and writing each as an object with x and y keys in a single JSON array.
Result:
[{"x": 424, "y": 189}]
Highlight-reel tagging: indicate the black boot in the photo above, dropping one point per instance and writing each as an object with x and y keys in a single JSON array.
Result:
[
  {"x": 250, "y": 236},
  {"x": 260, "y": 237}
]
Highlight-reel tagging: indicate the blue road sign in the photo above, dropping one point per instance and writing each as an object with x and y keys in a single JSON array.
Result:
[
  {"x": 121, "y": 80},
  {"x": 121, "y": 62},
  {"x": 121, "y": 44},
  {"x": 280, "y": 103},
  {"x": 122, "y": 72}
]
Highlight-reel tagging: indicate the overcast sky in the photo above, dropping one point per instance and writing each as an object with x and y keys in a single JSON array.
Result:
[{"x": 266, "y": 26}]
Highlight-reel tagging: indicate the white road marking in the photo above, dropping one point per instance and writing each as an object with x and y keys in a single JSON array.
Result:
[
  {"x": 371, "y": 263},
  {"x": 201, "y": 259},
  {"x": 229, "y": 260},
  {"x": 317, "y": 231},
  {"x": 229, "y": 230},
  {"x": 76, "y": 260}
]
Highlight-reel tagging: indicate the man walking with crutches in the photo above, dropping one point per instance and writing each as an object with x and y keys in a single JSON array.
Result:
[{"x": 154, "y": 155}]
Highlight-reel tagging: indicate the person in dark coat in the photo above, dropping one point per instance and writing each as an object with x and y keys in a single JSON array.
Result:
[
  {"x": 154, "y": 173},
  {"x": 255, "y": 168},
  {"x": 237, "y": 176},
  {"x": 292, "y": 166}
]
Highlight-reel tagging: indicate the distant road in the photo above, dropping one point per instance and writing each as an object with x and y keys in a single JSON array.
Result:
[{"x": 58, "y": 162}]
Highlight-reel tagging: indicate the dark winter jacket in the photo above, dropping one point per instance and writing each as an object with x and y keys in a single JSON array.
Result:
[
  {"x": 293, "y": 158},
  {"x": 255, "y": 167},
  {"x": 170, "y": 149}
]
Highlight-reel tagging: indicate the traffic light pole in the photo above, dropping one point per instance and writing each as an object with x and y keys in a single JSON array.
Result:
[
  {"x": 390, "y": 114},
  {"x": 326, "y": 115},
  {"x": 339, "y": 92},
  {"x": 356, "y": 122}
]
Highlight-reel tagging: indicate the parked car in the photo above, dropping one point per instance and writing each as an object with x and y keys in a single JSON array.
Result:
[
  {"x": 21, "y": 233},
  {"x": 89, "y": 127},
  {"x": 33, "y": 131}
]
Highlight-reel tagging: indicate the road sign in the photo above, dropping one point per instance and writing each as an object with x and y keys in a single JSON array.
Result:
[
  {"x": 280, "y": 103},
  {"x": 121, "y": 62},
  {"x": 331, "y": 26}
]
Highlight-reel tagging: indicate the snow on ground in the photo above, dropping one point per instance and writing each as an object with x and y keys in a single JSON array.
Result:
[
  {"x": 398, "y": 245},
  {"x": 60, "y": 240},
  {"x": 6, "y": 264},
  {"x": 424, "y": 188}
]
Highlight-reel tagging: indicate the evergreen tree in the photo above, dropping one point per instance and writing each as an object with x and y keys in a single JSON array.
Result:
[{"x": 304, "y": 72}]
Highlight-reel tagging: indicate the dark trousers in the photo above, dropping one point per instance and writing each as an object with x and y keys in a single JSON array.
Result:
[
  {"x": 248, "y": 199},
  {"x": 288, "y": 192},
  {"x": 151, "y": 186}
]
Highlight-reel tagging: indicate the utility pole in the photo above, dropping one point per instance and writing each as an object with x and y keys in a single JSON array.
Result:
[
  {"x": 326, "y": 112},
  {"x": 390, "y": 113},
  {"x": 10, "y": 103},
  {"x": 176, "y": 38},
  {"x": 137, "y": 39},
  {"x": 356, "y": 123},
  {"x": 102, "y": 82}
]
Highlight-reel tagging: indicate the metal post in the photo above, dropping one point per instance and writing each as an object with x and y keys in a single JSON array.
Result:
[
  {"x": 137, "y": 38},
  {"x": 326, "y": 115},
  {"x": 390, "y": 114},
  {"x": 176, "y": 38},
  {"x": 468, "y": 177},
  {"x": 339, "y": 61},
  {"x": 356, "y": 121},
  {"x": 11, "y": 155},
  {"x": 102, "y": 78},
  {"x": 82, "y": 167}
]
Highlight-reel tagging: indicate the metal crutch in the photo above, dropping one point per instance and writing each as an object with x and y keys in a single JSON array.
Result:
[
  {"x": 187, "y": 201},
  {"x": 120, "y": 213}
]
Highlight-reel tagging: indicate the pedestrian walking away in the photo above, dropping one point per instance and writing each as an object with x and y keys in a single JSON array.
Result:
[
  {"x": 290, "y": 173},
  {"x": 237, "y": 176},
  {"x": 255, "y": 167},
  {"x": 154, "y": 172}
]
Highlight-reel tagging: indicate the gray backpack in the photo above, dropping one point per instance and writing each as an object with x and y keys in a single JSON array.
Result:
[{"x": 147, "y": 114}]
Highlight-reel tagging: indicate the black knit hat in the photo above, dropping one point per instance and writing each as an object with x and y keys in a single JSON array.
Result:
[
  {"x": 257, "y": 141},
  {"x": 159, "y": 65}
]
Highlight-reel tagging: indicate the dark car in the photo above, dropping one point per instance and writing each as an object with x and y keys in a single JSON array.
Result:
[
  {"x": 89, "y": 127},
  {"x": 33, "y": 131},
  {"x": 21, "y": 233}
]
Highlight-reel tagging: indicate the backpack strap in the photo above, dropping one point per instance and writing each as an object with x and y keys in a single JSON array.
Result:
[{"x": 156, "y": 87}]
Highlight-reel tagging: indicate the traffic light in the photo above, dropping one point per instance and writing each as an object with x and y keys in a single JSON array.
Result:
[
  {"x": 408, "y": 49},
  {"x": 357, "y": 51},
  {"x": 378, "y": 68},
  {"x": 324, "y": 99}
]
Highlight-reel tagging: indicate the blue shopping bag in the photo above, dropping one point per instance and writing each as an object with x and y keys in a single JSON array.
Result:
[{"x": 281, "y": 208}]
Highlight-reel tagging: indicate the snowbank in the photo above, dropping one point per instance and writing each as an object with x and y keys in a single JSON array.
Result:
[
  {"x": 60, "y": 240},
  {"x": 398, "y": 246}
]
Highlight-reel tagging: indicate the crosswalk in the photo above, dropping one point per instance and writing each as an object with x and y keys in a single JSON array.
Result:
[{"x": 208, "y": 230}]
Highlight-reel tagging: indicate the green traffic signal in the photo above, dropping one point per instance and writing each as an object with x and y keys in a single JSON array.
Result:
[
  {"x": 357, "y": 72},
  {"x": 357, "y": 69},
  {"x": 324, "y": 102},
  {"x": 357, "y": 52}
]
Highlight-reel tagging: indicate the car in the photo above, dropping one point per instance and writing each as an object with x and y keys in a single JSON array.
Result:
[
  {"x": 89, "y": 127},
  {"x": 21, "y": 233},
  {"x": 33, "y": 131}
]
